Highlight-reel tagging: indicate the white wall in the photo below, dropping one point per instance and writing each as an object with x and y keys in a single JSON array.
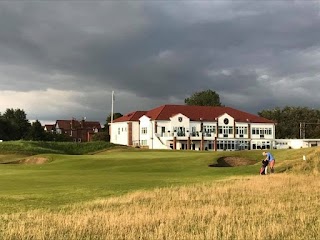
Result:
[
  {"x": 222, "y": 124},
  {"x": 145, "y": 138},
  {"x": 135, "y": 133},
  {"x": 119, "y": 133}
]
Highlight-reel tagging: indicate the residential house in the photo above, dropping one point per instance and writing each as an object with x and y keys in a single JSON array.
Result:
[
  {"x": 49, "y": 128},
  {"x": 193, "y": 128},
  {"x": 79, "y": 131}
]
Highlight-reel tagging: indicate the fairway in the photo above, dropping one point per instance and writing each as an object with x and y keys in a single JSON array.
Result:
[{"x": 66, "y": 179}]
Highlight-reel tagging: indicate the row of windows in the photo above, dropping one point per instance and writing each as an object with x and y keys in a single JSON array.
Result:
[
  {"x": 241, "y": 130},
  {"x": 212, "y": 129},
  {"x": 232, "y": 145},
  {"x": 209, "y": 129},
  {"x": 261, "y": 145},
  {"x": 262, "y": 131},
  {"x": 225, "y": 130}
]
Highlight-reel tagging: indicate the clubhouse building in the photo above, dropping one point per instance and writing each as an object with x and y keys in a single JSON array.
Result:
[{"x": 186, "y": 127}]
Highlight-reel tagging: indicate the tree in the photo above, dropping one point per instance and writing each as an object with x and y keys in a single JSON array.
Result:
[
  {"x": 36, "y": 132},
  {"x": 204, "y": 98},
  {"x": 18, "y": 123},
  {"x": 4, "y": 129},
  {"x": 288, "y": 121},
  {"x": 101, "y": 136}
]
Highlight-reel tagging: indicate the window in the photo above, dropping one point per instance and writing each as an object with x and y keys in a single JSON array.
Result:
[
  {"x": 241, "y": 130},
  {"x": 208, "y": 129},
  {"x": 144, "y": 130},
  {"x": 144, "y": 143},
  {"x": 118, "y": 131},
  {"x": 225, "y": 130},
  {"x": 181, "y": 131}
]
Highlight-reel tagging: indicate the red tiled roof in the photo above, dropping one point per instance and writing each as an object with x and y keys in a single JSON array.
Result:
[
  {"x": 92, "y": 124},
  {"x": 63, "y": 124},
  {"x": 66, "y": 124},
  {"x": 197, "y": 113},
  {"x": 133, "y": 116}
]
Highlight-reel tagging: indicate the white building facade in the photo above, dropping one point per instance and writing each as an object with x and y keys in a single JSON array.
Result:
[{"x": 185, "y": 127}]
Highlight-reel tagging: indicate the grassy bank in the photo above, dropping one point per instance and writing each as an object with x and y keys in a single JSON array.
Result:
[{"x": 33, "y": 147}]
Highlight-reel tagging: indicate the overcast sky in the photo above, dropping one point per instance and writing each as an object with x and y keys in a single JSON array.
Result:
[{"x": 62, "y": 59}]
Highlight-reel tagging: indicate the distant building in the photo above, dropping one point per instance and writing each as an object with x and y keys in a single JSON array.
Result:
[
  {"x": 295, "y": 143},
  {"x": 49, "y": 128},
  {"x": 193, "y": 127},
  {"x": 79, "y": 131}
]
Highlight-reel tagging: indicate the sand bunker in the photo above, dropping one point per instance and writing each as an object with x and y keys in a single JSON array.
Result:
[
  {"x": 34, "y": 160},
  {"x": 232, "y": 162},
  {"x": 30, "y": 160}
]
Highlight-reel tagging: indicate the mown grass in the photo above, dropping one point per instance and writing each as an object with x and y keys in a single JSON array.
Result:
[
  {"x": 161, "y": 195},
  {"x": 67, "y": 179}
]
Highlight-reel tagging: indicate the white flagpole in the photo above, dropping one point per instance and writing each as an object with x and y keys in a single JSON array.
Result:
[{"x": 112, "y": 107}]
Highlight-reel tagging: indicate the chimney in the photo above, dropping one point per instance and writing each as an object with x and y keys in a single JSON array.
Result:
[
  {"x": 72, "y": 124},
  {"x": 82, "y": 122}
]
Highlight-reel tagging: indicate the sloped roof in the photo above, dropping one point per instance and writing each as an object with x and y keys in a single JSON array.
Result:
[
  {"x": 49, "y": 127},
  {"x": 92, "y": 124},
  {"x": 197, "y": 113},
  {"x": 63, "y": 124},
  {"x": 66, "y": 124},
  {"x": 133, "y": 116}
]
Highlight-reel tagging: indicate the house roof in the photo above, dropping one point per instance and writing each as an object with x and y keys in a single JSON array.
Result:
[
  {"x": 49, "y": 127},
  {"x": 199, "y": 113},
  {"x": 66, "y": 124},
  {"x": 133, "y": 116},
  {"x": 92, "y": 124}
]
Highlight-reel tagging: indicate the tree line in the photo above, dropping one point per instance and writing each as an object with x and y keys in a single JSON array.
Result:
[
  {"x": 291, "y": 121},
  {"x": 14, "y": 125}
]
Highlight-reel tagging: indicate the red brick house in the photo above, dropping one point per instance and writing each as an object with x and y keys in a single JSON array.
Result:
[{"x": 79, "y": 131}]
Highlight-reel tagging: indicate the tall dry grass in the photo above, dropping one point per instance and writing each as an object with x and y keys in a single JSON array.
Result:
[
  {"x": 279, "y": 206},
  {"x": 266, "y": 207}
]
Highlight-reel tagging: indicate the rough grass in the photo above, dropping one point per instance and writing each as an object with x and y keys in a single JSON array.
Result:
[
  {"x": 287, "y": 207},
  {"x": 34, "y": 147}
]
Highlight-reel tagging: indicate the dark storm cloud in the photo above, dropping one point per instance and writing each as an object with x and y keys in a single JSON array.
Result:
[{"x": 254, "y": 54}]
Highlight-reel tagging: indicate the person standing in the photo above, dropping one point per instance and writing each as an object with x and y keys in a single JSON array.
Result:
[{"x": 270, "y": 159}]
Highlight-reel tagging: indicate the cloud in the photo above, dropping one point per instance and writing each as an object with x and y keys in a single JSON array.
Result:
[{"x": 71, "y": 55}]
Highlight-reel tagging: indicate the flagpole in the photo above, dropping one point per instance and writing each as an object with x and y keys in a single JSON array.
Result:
[{"x": 112, "y": 106}]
